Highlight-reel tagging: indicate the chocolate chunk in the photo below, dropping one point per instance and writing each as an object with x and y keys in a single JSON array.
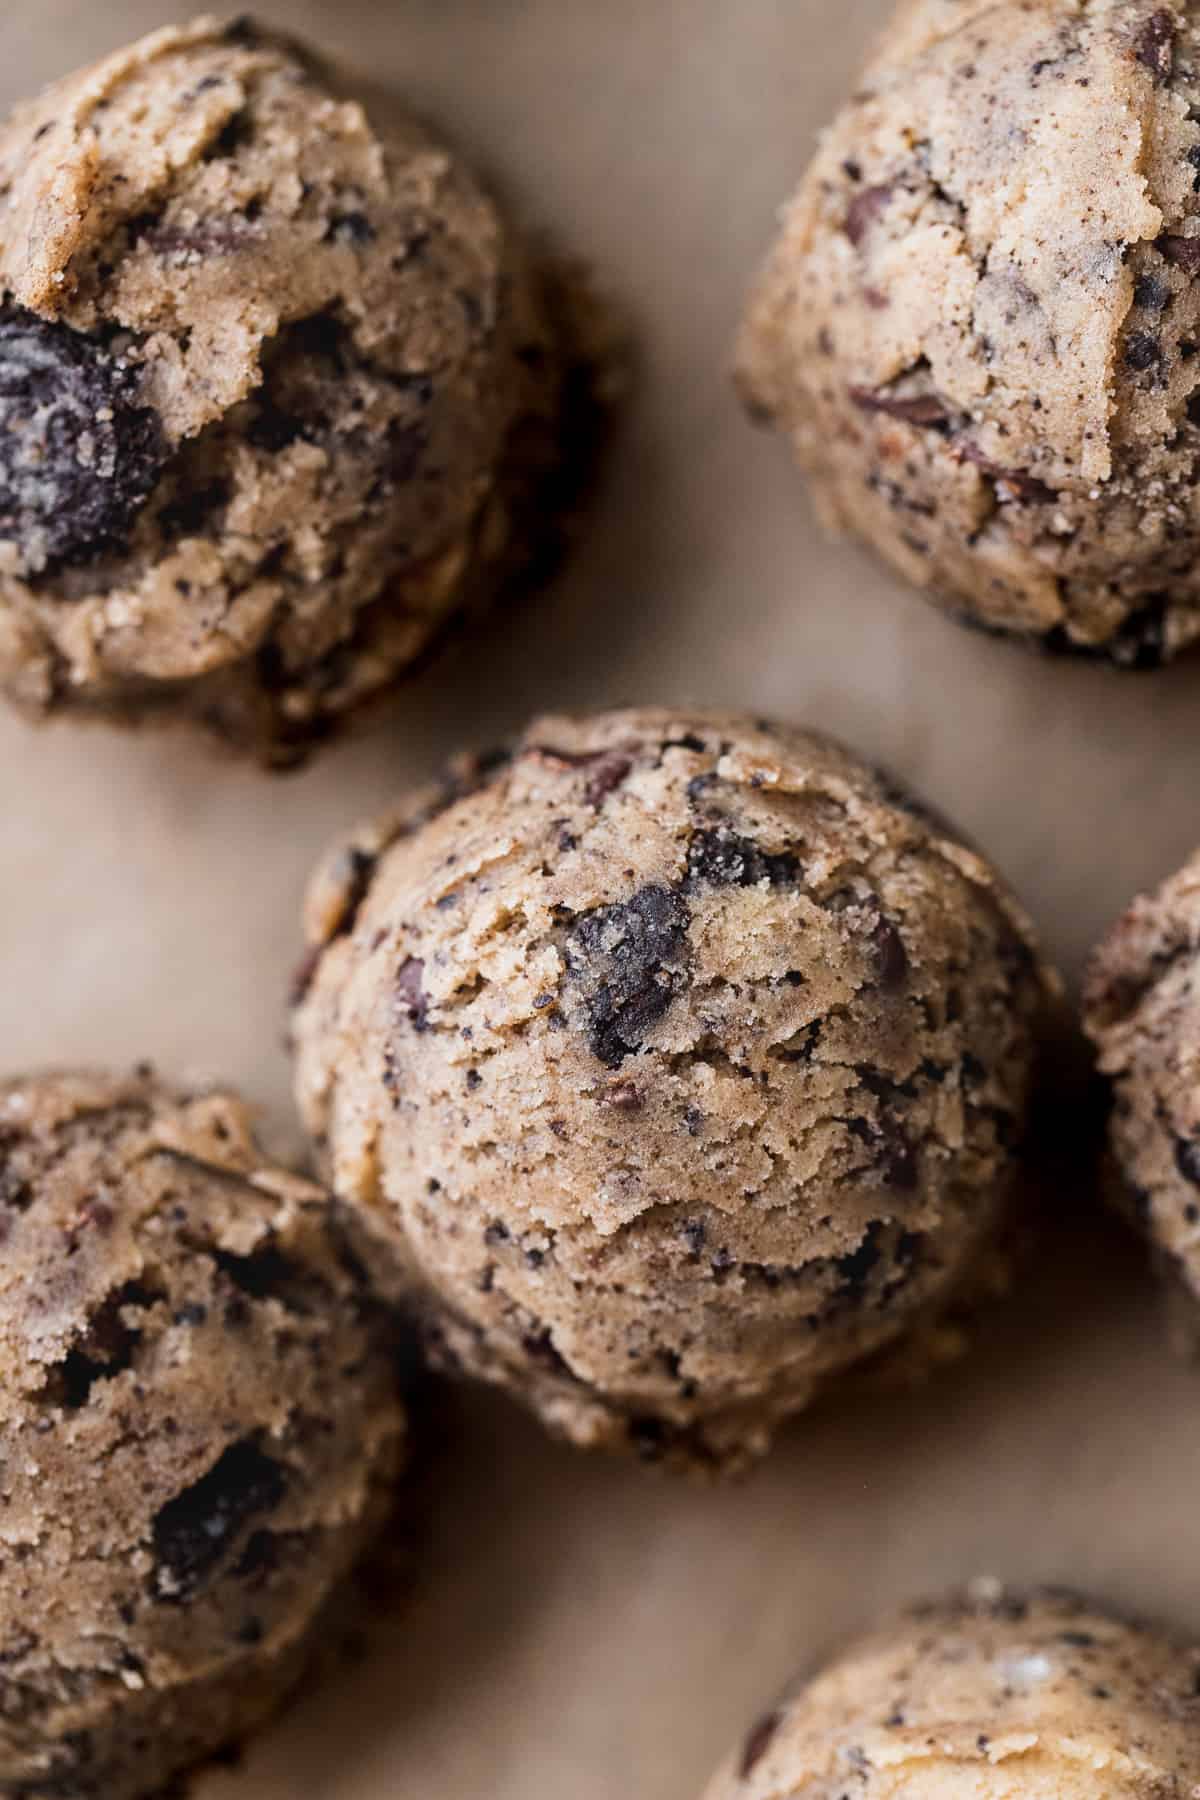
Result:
[
  {"x": 350, "y": 228},
  {"x": 355, "y": 870},
  {"x": 630, "y": 960},
  {"x": 650, "y": 1437},
  {"x": 264, "y": 1274},
  {"x": 1187, "y": 1159},
  {"x": 891, "y": 954},
  {"x": 538, "y": 1346},
  {"x": 193, "y": 1532},
  {"x": 1151, "y": 294},
  {"x": 1011, "y": 484},
  {"x": 863, "y": 210},
  {"x": 107, "y": 1347},
  {"x": 1183, "y": 252},
  {"x": 1154, "y": 44},
  {"x": 925, "y": 410},
  {"x": 606, "y": 769},
  {"x": 623, "y": 1096},
  {"x": 854, "y": 1269},
  {"x": 304, "y": 974},
  {"x": 723, "y": 859},
  {"x": 78, "y": 456},
  {"x": 412, "y": 1002},
  {"x": 1140, "y": 641},
  {"x": 694, "y": 1232},
  {"x": 897, "y": 1158},
  {"x": 1142, "y": 351},
  {"x": 757, "y": 1743}
]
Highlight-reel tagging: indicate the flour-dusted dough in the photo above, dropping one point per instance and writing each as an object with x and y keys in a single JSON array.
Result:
[
  {"x": 680, "y": 1063},
  {"x": 981, "y": 323},
  {"x": 281, "y": 392}
]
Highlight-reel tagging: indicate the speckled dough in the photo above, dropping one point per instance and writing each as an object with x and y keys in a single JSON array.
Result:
[
  {"x": 280, "y": 391},
  {"x": 1142, "y": 1012},
  {"x": 994, "y": 1696},
  {"x": 681, "y": 1062},
  {"x": 198, "y": 1425},
  {"x": 980, "y": 323}
]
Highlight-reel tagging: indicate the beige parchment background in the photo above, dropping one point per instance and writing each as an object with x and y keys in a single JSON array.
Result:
[{"x": 578, "y": 1629}]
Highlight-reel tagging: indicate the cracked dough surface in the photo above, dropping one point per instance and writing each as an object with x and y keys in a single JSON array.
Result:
[
  {"x": 198, "y": 1426},
  {"x": 981, "y": 321},
  {"x": 1142, "y": 1012},
  {"x": 992, "y": 1696},
  {"x": 678, "y": 1062},
  {"x": 280, "y": 391}
]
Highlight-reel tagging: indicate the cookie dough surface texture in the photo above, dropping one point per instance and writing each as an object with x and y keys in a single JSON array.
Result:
[
  {"x": 981, "y": 320},
  {"x": 995, "y": 1696},
  {"x": 681, "y": 1062},
  {"x": 197, "y": 1431},
  {"x": 1142, "y": 1012},
  {"x": 278, "y": 388}
]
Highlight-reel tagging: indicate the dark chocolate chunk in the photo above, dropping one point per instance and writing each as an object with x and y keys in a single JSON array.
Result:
[
  {"x": 606, "y": 769},
  {"x": 540, "y": 1348},
  {"x": 1183, "y": 252},
  {"x": 355, "y": 870},
  {"x": 78, "y": 456},
  {"x": 1154, "y": 44},
  {"x": 412, "y": 1002},
  {"x": 854, "y": 1269},
  {"x": 1187, "y": 1159},
  {"x": 350, "y": 228},
  {"x": 1151, "y": 294},
  {"x": 862, "y": 212},
  {"x": 1142, "y": 351},
  {"x": 107, "y": 1347},
  {"x": 693, "y": 1232},
  {"x": 630, "y": 960},
  {"x": 891, "y": 954},
  {"x": 264, "y": 1274},
  {"x": 623, "y": 1096},
  {"x": 1012, "y": 485},
  {"x": 193, "y": 1532},
  {"x": 723, "y": 859},
  {"x": 758, "y": 1742},
  {"x": 1140, "y": 641},
  {"x": 913, "y": 409}
]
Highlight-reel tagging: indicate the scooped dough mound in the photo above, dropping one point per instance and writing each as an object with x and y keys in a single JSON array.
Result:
[
  {"x": 198, "y": 1428},
  {"x": 1142, "y": 1012},
  {"x": 282, "y": 394},
  {"x": 677, "y": 1062},
  {"x": 992, "y": 1696},
  {"x": 980, "y": 326}
]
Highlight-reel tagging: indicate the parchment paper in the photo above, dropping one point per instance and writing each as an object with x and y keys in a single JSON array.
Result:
[{"x": 582, "y": 1629}]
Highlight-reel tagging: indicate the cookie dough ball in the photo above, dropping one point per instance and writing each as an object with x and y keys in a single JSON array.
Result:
[
  {"x": 994, "y": 1696},
  {"x": 980, "y": 323},
  {"x": 679, "y": 1062},
  {"x": 198, "y": 1426},
  {"x": 1142, "y": 1012},
  {"x": 281, "y": 393}
]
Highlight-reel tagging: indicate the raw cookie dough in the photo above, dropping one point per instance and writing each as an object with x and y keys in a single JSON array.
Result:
[
  {"x": 1142, "y": 1012},
  {"x": 992, "y": 1696},
  {"x": 198, "y": 1427},
  {"x": 679, "y": 1062},
  {"x": 281, "y": 393},
  {"x": 981, "y": 321}
]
